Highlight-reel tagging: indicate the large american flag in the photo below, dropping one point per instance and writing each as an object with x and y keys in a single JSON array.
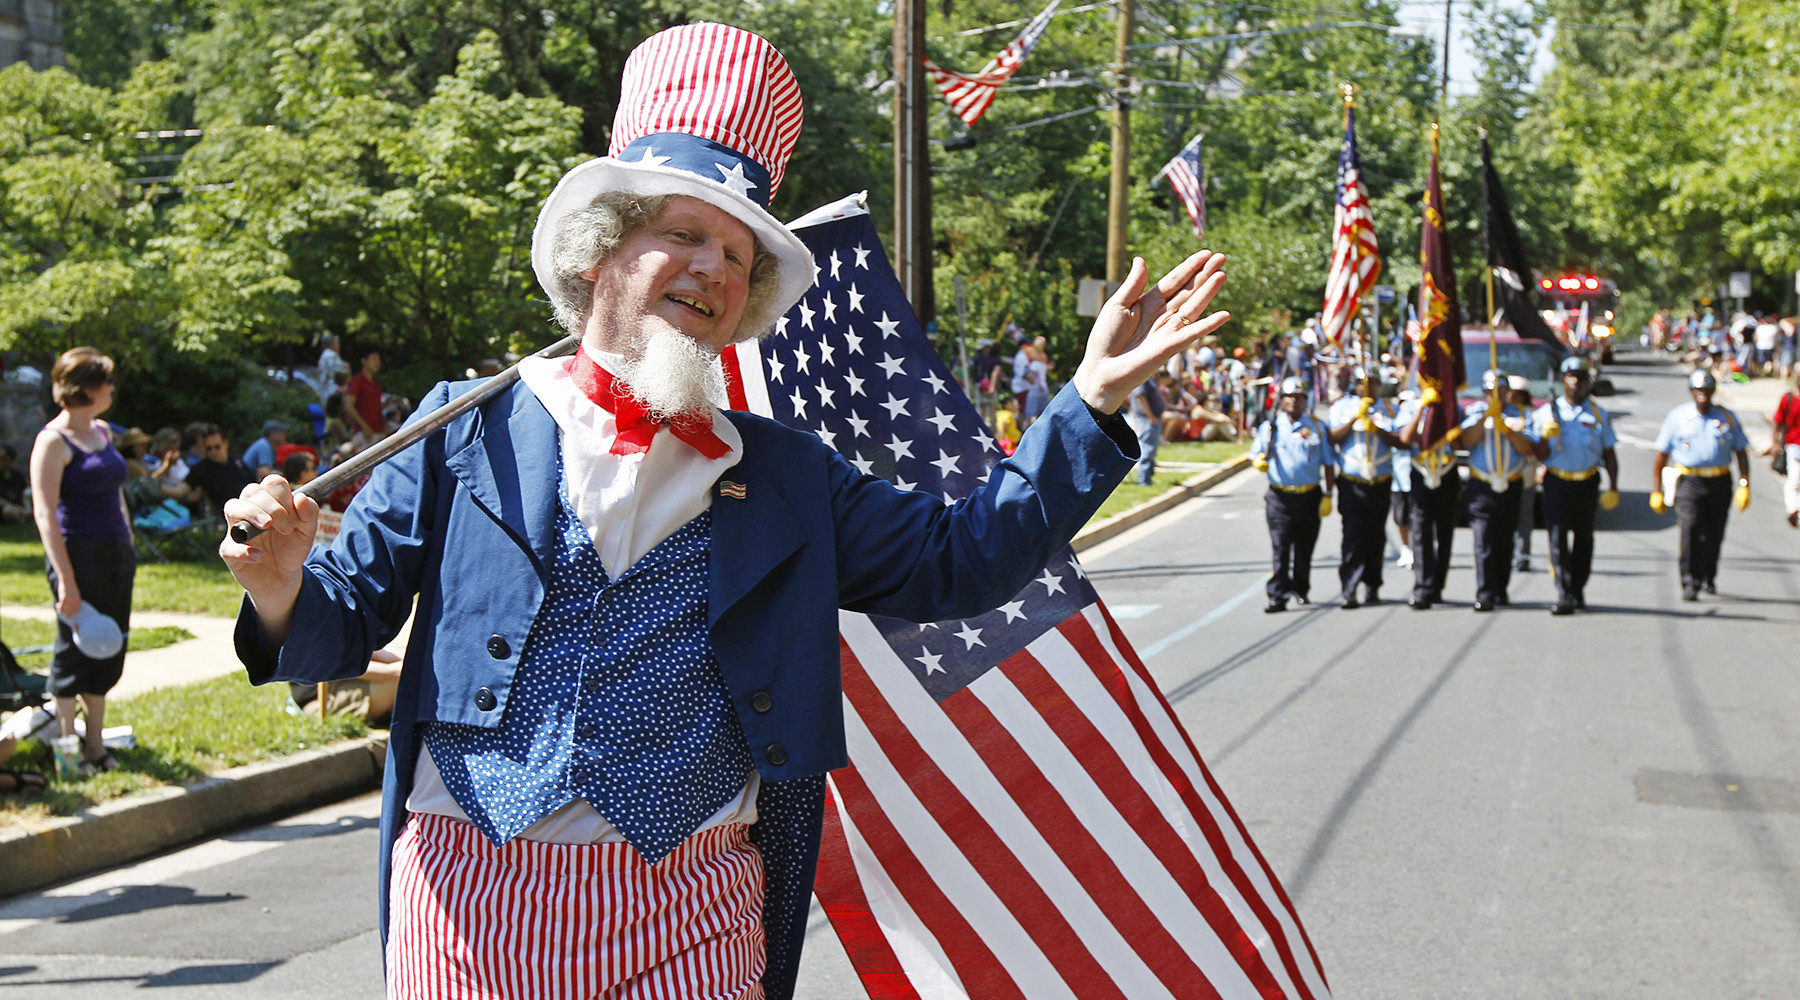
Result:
[
  {"x": 1188, "y": 182},
  {"x": 1022, "y": 816},
  {"x": 970, "y": 94},
  {"x": 1355, "y": 262}
]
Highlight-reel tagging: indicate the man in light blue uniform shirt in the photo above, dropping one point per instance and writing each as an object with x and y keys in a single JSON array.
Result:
[
  {"x": 1362, "y": 431},
  {"x": 1699, "y": 439},
  {"x": 1574, "y": 439},
  {"x": 1294, "y": 450},
  {"x": 1499, "y": 437}
]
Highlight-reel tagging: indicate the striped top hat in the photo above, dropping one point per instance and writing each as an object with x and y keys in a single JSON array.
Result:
[{"x": 708, "y": 111}]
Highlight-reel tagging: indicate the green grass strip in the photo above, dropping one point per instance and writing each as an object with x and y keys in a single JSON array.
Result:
[{"x": 183, "y": 733}]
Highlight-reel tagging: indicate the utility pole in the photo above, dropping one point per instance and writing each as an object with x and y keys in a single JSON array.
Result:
[
  {"x": 912, "y": 159},
  {"x": 1118, "y": 259},
  {"x": 1444, "y": 80}
]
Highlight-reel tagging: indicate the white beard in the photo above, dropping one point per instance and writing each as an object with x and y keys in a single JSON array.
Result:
[{"x": 672, "y": 374}]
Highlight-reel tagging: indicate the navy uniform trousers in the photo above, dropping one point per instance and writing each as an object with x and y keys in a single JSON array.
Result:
[
  {"x": 1493, "y": 518},
  {"x": 1433, "y": 529},
  {"x": 1293, "y": 531},
  {"x": 1569, "y": 511},
  {"x": 1364, "y": 508},
  {"x": 1703, "y": 504}
]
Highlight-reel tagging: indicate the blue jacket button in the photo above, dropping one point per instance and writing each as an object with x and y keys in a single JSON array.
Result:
[
  {"x": 497, "y": 647},
  {"x": 484, "y": 699},
  {"x": 761, "y": 702},
  {"x": 777, "y": 754}
]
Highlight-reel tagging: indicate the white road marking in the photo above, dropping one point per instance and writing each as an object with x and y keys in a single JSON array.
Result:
[{"x": 1204, "y": 620}]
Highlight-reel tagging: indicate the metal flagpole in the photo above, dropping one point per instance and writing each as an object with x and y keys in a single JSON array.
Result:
[{"x": 1487, "y": 266}]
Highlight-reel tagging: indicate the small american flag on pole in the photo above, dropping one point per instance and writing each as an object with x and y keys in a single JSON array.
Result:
[
  {"x": 1023, "y": 816},
  {"x": 1188, "y": 182},
  {"x": 969, "y": 94},
  {"x": 1355, "y": 261}
]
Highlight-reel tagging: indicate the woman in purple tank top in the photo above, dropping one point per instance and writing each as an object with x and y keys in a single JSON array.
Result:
[{"x": 79, "y": 506}]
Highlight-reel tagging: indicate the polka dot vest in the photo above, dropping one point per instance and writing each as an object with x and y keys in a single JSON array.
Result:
[{"x": 617, "y": 701}]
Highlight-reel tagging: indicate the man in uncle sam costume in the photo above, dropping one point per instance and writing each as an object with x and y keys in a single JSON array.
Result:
[{"x": 621, "y": 694}]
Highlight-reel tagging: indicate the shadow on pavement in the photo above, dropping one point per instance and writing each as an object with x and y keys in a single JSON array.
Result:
[
  {"x": 210, "y": 975},
  {"x": 305, "y": 831},
  {"x": 139, "y": 898},
  {"x": 1634, "y": 514},
  {"x": 17, "y": 970}
]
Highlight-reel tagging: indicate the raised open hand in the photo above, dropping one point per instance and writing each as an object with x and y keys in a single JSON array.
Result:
[{"x": 1140, "y": 328}]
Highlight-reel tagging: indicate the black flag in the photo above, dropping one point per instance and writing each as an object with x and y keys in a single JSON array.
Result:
[{"x": 1513, "y": 283}]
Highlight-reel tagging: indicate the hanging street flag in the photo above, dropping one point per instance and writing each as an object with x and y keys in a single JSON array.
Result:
[
  {"x": 1513, "y": 281},
  {"x": 1440, "y": 343},
  {"x": 1188, "y": 182},
  {"x": 1355, "y": 261},
  {"x": 970, "y": 94},
  {"x": 1023, "y": 815}
]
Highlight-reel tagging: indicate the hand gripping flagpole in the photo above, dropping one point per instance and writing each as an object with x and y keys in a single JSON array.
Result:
[{"x": 357, "y": 466}]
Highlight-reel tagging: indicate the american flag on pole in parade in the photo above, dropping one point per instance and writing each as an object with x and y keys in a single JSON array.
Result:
[
  {"x": 1023, "y": 816},
  {"x": 1188, "y": 182},
  {"x": 1355, "y": 261},
  {"x": 970, "y": 94}
]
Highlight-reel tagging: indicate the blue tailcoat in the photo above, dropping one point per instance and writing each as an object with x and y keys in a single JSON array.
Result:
[{"x": 465, "y": 521}]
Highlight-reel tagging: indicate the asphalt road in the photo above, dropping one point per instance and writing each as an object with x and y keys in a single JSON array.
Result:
[{"x": 1506, "y": 805}]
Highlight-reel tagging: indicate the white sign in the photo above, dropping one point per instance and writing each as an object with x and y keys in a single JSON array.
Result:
[
  {"x": 1740, "y": 284},
  {"x": 1093, "y": 294},
  {"x": 1384, "y": 294}
]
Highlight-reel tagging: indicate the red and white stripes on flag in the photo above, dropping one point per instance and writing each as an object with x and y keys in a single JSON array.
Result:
[
  {"x": 1355, "y": 261},
  {"x": 969, "y": 94},
  {"x": 1022, "y": 816},
  {"x": 1188, "y": 180}
]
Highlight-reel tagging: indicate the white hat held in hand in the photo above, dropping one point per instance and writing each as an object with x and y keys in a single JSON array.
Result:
[{"x": 96, "y": 635}]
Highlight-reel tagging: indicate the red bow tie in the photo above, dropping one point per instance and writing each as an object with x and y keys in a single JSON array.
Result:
[{"x": 635, "y": 426}]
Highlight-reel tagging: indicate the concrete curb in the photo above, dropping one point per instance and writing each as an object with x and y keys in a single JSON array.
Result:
[
  {"x": 1125, "y": 520},
  {"x": 130, "y": 828}
]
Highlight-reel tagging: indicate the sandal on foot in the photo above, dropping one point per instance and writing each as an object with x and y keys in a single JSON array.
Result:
[
  {"x": 103, "y": 763},
  {"x": 25, "y": 781}
]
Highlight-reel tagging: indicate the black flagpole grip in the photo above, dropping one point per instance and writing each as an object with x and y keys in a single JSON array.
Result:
[{"x": 359, "y": 465}]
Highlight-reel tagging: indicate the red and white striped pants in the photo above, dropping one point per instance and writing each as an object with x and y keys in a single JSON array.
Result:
[{"x": 471, "y": 920}]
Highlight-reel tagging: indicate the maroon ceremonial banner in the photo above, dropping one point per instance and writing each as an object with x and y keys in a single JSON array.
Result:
[
  {"x": 1440, "y": 319},
  {"x": 1023, "y": 816}
]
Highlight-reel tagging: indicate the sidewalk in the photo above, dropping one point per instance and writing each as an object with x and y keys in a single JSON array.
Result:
[{"x": 207, "y": 655}]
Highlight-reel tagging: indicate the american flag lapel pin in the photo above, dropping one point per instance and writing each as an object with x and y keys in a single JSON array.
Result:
[{"x": 727, "y": 488}]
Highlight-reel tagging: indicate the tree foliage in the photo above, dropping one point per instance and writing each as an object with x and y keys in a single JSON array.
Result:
[{"x": 227, "y": 180}]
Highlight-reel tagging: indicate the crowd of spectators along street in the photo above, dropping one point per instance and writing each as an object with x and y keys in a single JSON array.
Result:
[
  {"x": 1208, "y": 393},
  {"x": 181, "y": 477},
  {"x": 1752, "y": 344}
]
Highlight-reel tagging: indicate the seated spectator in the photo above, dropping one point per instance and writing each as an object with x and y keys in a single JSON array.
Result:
[
  {"x": 370, "y": 695},
  {"x": 337, "y": 429},
  {"x": 13, "y": 508},
  {"x": 141, "y": 487},
  {"x": 1208, "y": 421},
  {"x": 218, "y": 475},
  {"x": 190, "y": 442},
  {"x": 260, "y": 456},
  {"x": 300, "y": 467},
  {"x": 171, "y": 469}
]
